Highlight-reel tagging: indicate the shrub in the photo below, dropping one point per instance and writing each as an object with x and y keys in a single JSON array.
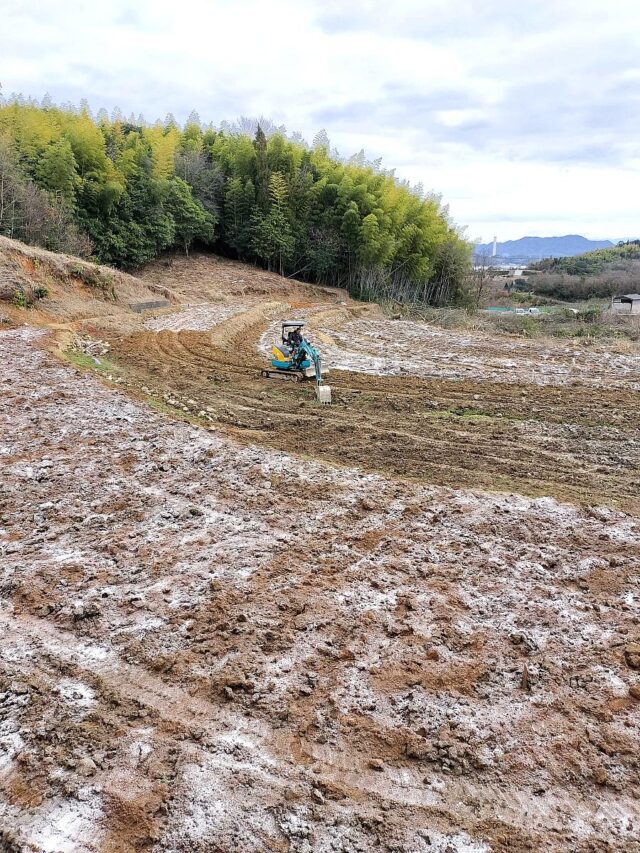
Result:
[
  {"x": 20, "y": 298},
  {"x": 93, "y": 277}
]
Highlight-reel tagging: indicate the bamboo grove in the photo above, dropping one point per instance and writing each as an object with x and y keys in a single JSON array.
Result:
[{"x": 124, "y": 191}]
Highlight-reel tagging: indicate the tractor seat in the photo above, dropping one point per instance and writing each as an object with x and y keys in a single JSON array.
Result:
[{"x": 280, "y": 352}]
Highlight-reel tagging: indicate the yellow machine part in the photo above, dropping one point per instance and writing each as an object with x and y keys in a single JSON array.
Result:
[{"x": 279, "y": 353}]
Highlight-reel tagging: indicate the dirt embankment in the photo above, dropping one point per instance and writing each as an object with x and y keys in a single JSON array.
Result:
[
  {"x": 212, "y": 646},
  {"x": 62, "y": 290},
  {"x": 204, "y": 278}
]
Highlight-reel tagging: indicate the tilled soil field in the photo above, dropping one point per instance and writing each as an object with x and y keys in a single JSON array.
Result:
[
  {"x": 214, "y": 647},
  {"x": 564, "y": 437},
  {"x": 233, "y": 620}
]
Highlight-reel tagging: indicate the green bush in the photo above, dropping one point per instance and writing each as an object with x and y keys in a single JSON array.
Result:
[
  {"x": 20, "y": 298},
  {"x": 93, "y": 277}
]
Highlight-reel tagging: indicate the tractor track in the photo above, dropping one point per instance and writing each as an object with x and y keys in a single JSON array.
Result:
[
  {"x": 531, "y": 439},
  {"x": 216, "y": 641}
]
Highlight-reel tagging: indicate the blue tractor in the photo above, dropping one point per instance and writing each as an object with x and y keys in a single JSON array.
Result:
[{"x": 296, "y": 359}]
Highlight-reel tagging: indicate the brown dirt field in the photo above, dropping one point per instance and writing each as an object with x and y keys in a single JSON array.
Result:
[
  {"x": 562, "y": 440},
  {"x": 213, "y": 640},
  {"x": 562, "y": 443}
]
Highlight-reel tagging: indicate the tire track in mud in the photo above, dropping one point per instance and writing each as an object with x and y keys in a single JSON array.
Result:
[
  {"x": 173, "y": 703},
  {"x": 531, "y": 439},
  {"x": 206, "y": 734},
  {"x": 355, "y": 632},
  {"x": 519, "y": 814}
]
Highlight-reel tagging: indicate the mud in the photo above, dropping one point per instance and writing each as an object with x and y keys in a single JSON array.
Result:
[
  {"x": 233, "y": 620},
  {"x": 565, "y": 442},
  {"x": 194, "y": 318},
  {"x": 211, "y": 646}
]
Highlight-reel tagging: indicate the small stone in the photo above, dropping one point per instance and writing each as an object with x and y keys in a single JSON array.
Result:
[
  {"x": 85, "y": 611},
  {"x": 634, "y": 691},
  {"x": 632, "y": 655},
  {"x": 600, "y": 776},
  {"x": 317, "y": 797},
  {"x": 376, "y": 764},
  {"x": 86, "y": 766}
]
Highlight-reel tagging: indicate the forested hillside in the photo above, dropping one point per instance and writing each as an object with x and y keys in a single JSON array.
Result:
[
  {"x": 614, "y": 258},
  {"x": 595, "y": 275},
  {"x": 124, "y": 191}
]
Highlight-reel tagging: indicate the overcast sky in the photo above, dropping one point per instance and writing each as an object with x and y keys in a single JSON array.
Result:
[{"x": 524, "y": 114}]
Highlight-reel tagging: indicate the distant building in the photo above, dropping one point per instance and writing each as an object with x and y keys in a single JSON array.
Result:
[{"x": 627, "y": 304}]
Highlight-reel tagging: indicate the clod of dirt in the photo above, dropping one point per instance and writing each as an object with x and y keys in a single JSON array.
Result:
[{"x": 632, "y": 655}]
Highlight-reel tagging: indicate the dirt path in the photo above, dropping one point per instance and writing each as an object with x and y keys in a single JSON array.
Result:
[{"x": 215, "y": 646}]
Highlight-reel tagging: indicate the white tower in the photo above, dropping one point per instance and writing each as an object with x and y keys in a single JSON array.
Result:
[{"x": 495, "y": 247}]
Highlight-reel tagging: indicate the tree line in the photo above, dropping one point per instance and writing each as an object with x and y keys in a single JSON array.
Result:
[
  {"x": 124, "y": 191},
  {"x": 616, "y": 258},
  {"x": 600, "y": 274}
]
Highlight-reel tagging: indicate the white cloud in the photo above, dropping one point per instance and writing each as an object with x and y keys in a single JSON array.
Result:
[{"x": 524, "y": 115}]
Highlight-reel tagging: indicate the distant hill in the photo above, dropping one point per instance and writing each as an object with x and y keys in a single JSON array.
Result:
[
  {"x": 599, "y": 274},
  {"x": 537, "y": 248},
  {"x": 625, "y": 257}
]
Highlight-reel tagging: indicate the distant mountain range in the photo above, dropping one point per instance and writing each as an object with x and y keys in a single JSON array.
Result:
[{"x": 537, "y": 248}]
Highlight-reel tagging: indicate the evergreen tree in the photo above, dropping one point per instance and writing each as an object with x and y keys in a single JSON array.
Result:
[
  {"x": 271, "y": 238},
  {"x": 192, "y": 222},
  {"x": 239, "y": 202}
]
